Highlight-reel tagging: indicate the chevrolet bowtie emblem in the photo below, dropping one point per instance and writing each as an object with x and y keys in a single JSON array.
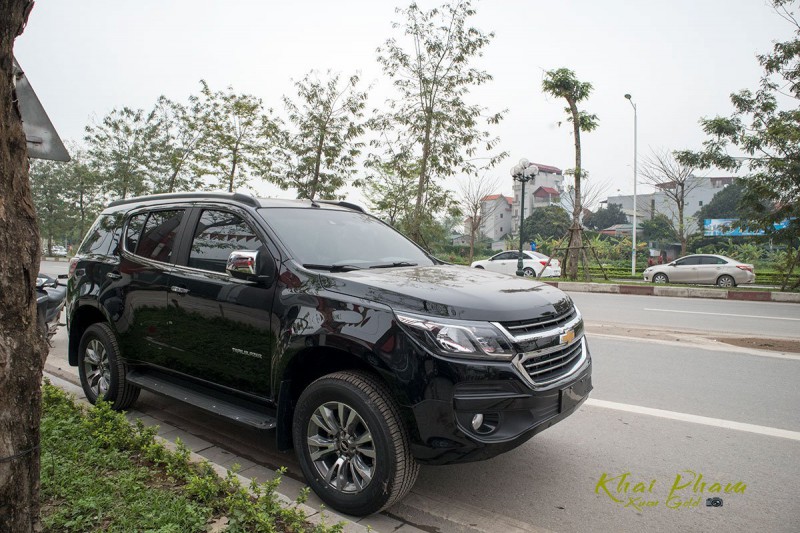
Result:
[{"x": 567, "y": 337}]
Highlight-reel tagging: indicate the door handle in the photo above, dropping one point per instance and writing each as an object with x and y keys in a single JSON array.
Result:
[
  {"x": 114, "y": 275},
  {"x": 179, "y": 290}
]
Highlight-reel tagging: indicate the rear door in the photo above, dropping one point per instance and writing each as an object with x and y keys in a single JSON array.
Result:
[
  {"x": 710, "y": 269},
  {"x": 222, "y": 327}
]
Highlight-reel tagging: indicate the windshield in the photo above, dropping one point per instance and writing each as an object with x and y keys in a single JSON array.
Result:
[{"x": 341, "y": 240}]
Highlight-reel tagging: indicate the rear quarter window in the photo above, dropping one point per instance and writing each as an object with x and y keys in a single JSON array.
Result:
[{"x": 103, "y": 236}]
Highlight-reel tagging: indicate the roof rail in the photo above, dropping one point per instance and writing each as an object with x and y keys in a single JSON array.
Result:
[
  {"x": 340, "y": 203},
  {"x": 236, "y": 196}
]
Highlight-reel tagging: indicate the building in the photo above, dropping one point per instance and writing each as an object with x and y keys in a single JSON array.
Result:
[
  {"x": 546, "y": 188},
  {"x": 700, "y": 191},
  {"x": 496, "y": 216}
]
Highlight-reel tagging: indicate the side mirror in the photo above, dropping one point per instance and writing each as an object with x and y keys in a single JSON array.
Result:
[{"x": 251, "y": 265}]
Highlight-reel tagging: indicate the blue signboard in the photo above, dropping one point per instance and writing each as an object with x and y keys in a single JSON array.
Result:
[{"x": 729, "y": 227}]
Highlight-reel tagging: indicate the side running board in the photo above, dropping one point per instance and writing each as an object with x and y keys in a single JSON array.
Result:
[{"x": 251, "y": 415}]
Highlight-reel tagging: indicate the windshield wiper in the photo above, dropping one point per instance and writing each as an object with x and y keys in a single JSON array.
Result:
[
  {"x": 395, "y": 264},
  {"x": 332, "y": 268}
]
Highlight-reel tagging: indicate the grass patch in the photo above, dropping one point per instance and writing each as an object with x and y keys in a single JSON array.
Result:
[{"x": 101, "y": 473}]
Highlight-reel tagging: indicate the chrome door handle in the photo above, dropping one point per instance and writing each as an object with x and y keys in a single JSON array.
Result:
[
  {"x": 179, "y": 290},
  {"x": 114, "y": 275}
]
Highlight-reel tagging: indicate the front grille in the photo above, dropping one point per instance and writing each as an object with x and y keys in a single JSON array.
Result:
[
  {"x": 554, "y": 365},
  {"x": 522, "y": 328}
]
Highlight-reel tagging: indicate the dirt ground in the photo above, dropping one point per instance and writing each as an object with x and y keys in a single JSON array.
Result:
[{"x": 777, "y": 345}]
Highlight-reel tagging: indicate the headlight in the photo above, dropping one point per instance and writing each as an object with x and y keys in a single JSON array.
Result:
[{"x": 460, "y": 338}]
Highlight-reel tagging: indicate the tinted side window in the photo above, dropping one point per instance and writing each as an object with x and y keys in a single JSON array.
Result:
[
  {"x": 159, "y": 235},
  {"x": 134, "y": 231},
  {"x": 103, "y": 236},
  {"x": 219, "y": 233},
  {"x": 709, "y": 260},
  {"x": 686, "y": 261}
]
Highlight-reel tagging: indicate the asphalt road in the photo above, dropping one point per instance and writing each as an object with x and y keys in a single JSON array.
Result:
[{"x": 659, "y": 409}]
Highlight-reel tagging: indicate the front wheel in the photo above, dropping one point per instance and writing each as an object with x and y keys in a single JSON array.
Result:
[
  {"x": 660, "y": 278},
  {"x": 351, "y": 443},
  {"x": 726, "y": 281},
  {"x": 102, "y": 370}
]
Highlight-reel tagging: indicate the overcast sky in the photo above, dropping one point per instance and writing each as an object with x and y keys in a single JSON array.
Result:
[{"x": 680, "y": 59}]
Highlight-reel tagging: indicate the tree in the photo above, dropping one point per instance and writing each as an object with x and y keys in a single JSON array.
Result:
[
  {"x": 549, "y": 222},
  {"x": 675, "y": 180},
  {"x": 605, "y": 217},
  {"x": 658, "y": 228},
  {"x": 562, "y": 83},
  {"x": 238, "y": 137},
  {"x": 724, "y": 204},
  {"x": 761, "y": 138},
  {"x": 47, "y": 188},
  {"x": 82, "y": 192},
  {"x": 22, "y": 347},
  {"x": 321, "y": 153},
  {"x": 430, "y": 131},
  {"x": 122, "y": 151},
  {"x": 180, "y": 137},
  {"x": 474, "y": 207}
]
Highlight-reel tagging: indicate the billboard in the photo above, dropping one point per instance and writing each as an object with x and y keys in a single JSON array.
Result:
[{"x": 729, "y": 227}]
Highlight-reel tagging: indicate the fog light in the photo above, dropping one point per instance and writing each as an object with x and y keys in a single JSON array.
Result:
[{"x": 477, "y": 422}]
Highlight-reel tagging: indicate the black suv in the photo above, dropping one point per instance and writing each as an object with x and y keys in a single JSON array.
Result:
[{"x": 365, "y": 353}]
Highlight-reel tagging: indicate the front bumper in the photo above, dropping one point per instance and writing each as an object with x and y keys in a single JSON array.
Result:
[{"x": 513, "y": 410}]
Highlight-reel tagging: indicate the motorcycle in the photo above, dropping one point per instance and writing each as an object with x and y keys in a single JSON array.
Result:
[{"x": 50, "y": 298}]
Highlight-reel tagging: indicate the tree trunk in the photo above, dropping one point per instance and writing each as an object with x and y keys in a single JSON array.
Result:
[
  {"x": 575, "y": 244},
  {"x": 416, "y": 227},
  {"x": 22, "y": 347}
]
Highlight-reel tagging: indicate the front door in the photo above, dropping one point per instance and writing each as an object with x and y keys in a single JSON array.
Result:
[
  {"x": 221, "y": 327},
  {"x": 685, "y": 270}
]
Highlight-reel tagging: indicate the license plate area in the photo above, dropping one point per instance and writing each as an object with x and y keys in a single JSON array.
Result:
[{"x": 571, "y": 396}]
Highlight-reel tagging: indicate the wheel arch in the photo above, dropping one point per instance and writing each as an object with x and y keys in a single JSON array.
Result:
[{"x": 84, "y": 316}]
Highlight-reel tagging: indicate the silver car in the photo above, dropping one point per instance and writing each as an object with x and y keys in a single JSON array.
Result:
[{"x": 702, "y": 269}]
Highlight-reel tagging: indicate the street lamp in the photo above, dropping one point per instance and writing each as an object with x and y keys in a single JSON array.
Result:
[
  {"x": 635, "y": 179},
  {"x": 522, "y": 172}
]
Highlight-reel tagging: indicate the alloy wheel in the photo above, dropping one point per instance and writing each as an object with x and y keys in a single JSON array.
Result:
[
  {"x": 96, "y": 367},
  {"x": 341, "y": 447}
]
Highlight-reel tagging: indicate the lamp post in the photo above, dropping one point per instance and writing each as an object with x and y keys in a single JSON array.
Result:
[
  {"x": 635, "y": 179},
  {"x": 522, "y": 172}
]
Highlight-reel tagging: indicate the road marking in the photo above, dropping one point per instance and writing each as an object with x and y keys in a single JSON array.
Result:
[
  {"x": 706, "y": 344},
  {"x": 722, "y": 314},
  {"x": 696, "y": 419}
]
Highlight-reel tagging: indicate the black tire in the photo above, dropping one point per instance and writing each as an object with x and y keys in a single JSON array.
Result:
[
  {"x": 528, "y": 271},
  {"x": 726, "y": 281},
  {"x": 479, "y": 266},
  {"x": 660, "y": 278},
  {"x": 392, "y": 471},
  {"x": 102, "y": 370}
]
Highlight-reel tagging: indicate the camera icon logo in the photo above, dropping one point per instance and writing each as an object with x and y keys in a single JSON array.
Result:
[{"x": 714, "y": 502}]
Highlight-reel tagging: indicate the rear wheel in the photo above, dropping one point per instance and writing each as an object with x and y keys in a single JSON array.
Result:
[
  {"x": 102, "y": 370},
  {"x": 726, "y": 281},
  {"x": 351, "y": 443},
  {"x": 660, "y": 278},
  {"x": 479, "y": 266},
  {"x": 528, "y": 271}
]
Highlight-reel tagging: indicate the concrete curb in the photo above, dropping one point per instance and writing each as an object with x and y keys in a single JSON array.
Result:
[
  {"x": 222, "y": 461},
  {"x": 679, "y": 292}
]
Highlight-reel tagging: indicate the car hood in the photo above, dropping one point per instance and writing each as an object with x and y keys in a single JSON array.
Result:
[{"x": 453, "y": 291}]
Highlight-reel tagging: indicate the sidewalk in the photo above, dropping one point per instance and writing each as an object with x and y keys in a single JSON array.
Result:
[{"x": 66, "y": 377}]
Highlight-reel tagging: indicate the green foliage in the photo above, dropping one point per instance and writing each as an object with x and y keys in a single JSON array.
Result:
[
  {"x": 238, "y": 137},
  {"x": 658, "y": 228},
  {"x": 764, "y": 135},
  {"x": 724, "y": 204},
  {"x": 101, "y": 473},
  {"x": 605, "y": 217},
  {"x": 319, "y": 156},
  {"x": 549, "y": 222},
  {"x": 430, "y": 132}
]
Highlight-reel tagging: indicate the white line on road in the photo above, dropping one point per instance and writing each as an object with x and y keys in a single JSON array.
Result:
[
  {"x": 722, "y": 314},
  {"x": 695, "y": 419}
]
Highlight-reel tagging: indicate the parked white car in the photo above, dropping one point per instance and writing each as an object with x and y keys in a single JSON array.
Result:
[
  {"x": 702, "y": 269},
  {"x": 506, "y": 263},
  {"x": 59, "y": 251},
  {"x": 555, "y": 264}
]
